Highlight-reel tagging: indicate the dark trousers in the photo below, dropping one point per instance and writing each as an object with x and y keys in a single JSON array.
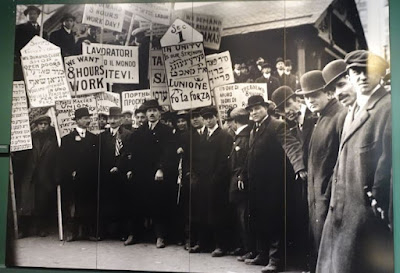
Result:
[{"x": 243, "y": 225}]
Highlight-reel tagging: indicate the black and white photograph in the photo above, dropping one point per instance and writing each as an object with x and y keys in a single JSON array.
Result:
[{"x": 215, "y": 137}]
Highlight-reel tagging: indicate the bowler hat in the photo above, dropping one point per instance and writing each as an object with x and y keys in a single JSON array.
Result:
[
  {"x": 266, "y": 65},
  {"x": 279, "y": 59},
  {"x": 364, "y": 58},
  {"x": 256, "y": 100},
  {"x": 148, "y": 104},
  {"x": 311, "y": 82},
  {"x": 81, "y": 112},
  {"x": 140, "y": 109},
  {"x": 127, "y": 112},
  {"x": 333, "y": 71},
  {"x": 67, "y": 16},
  {"x": 281, "y": 95},
  {"x": 288, "y": 62},
  {"x": 115, "y": 111},
  {"x": 208, "y": 111},
  {"x": 239, "y": 112},
  {"x": 29, "y": 8},
  {"x": 194, "y": 112},
  {"x": 42, "y": 118}
]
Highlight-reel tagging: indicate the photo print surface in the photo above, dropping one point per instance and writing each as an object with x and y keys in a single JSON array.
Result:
[{"x": 223, "y": 136}]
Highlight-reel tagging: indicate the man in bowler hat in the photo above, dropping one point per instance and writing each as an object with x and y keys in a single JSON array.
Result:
[
  {"x": 78, "y": 165},
  {"x": 269, "y": 144},
  {"x": 271, "y": 81},
  {"x": 65, "y": 36},
  {"x": 356, "y": 236}
]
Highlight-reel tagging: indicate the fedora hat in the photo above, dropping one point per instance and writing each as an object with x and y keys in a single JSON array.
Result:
[
  {"x": 279, "y": 59},
  {"x": 208, "y": 111},
  {"x": 364, "y": 58},
  {"x": 81, "y": 112},
  {"x": 148, "y": 104},
  {"x": 311, "y": 82},
  {"x": 67, "y": 16},
  {"x": 256, "y": 100},
  {"x": 115, "y": 111},
  {"x": 333, "y": 71},
  {"x": 266, "y": 65},
  {"x": 281, "y": 95},
  {"x": 42, "y": 118},
  {"x": 29, "y": 8}
]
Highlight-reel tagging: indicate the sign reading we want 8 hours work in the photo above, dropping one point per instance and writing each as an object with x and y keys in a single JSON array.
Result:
[{"x": 185, "y": 66}]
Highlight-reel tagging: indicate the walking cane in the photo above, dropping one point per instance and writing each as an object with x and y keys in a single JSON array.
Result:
[
  {"x": 179, "y": 181},
  {"x": 13, "y": 200}
]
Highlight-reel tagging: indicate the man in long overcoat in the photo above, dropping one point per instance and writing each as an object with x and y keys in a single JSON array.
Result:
[
  {"x": 270, "y": 144},
  {"x": 323, "y": 149},
  {"x": 65, "y": 36},
  {"x": 78, "y": 163},
  {"x": 356, "y": 237},
  {"x": 36, "y": 195},
  {"x": 266, "y": 77}
]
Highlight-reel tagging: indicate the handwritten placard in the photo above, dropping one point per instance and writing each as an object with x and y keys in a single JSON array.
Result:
[
  {"x": 158, "y": 81},
  {"x": 21, "y": 138},
  {"x": 219, "y": 68},
  {"x": 159, "y": 13},
  {"x": 108, "y": 16},
  {"x": 44, "y": 73},
  {"x": 106, "y": 100},
  {"x": 121, "y": 62}
]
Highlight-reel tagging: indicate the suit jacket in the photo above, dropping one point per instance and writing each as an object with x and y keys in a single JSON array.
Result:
[
  {"x": 322, "y": 155},
  {"x": 281, "y": 79},
  {"x": 272, "y": 84},
  {"x": 351, "y": 231},
  {"x": 64, "y": 40},
  {"x": 291, "y": 81}
]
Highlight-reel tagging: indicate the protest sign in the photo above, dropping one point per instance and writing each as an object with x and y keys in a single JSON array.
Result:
[
  {"x": 158, "y": 83},
  {"x": 131, "y": 100},
  {"x": 108, "y": 16},
  {"x": 106, "y": 100},
  {"x": 157, "y": 30},
  {"x": 209, "y": 26},
  {"x": 185, "y": 67},
  {"x": 21, "y": 138},
  {"x": 44, "y": 73},
  {"x": 85, "y": 74},
  {"x": 121, "y": 62},
  {"x": 236, "y": 95},
  {"x": 159, "y": 13},
  {"x": 65, "y": 112},
  {"x": 219, "y": 68}
]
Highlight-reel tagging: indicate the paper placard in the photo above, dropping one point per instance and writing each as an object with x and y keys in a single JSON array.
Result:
[
  {"x": 106, "y": 100},
  {"x": 21, "y": 138},
  {"x": 159, "y": 13},
  {"x": 108, "y": 16},
  {"x": 158, "y": 81},
  {"x": 219, "y": 68},
  {"x": 236, "y": 95},
  {"x": 131, "y": 100},
  {"x": 85, "y": 74},
  {"x": 121, "y": 62},
  {"x": 44, "y": 73},
  {"x": 65, "y": 112}
]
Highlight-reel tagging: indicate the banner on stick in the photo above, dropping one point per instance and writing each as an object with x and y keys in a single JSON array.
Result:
[
  {"x": 219, "y": 68},
  {"x": 108, "y": 16}
]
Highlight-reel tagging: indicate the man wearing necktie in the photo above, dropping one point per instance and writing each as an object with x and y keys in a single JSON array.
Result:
[
  {"x": 358, "y": 226},
  {"x": 78, "y": 166},
  {"x": 270, "y": 146},
  {"x": 114, "y": 158}
]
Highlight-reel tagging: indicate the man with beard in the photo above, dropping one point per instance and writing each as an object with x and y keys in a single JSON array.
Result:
[
  {"x": 78, "y": 165},
  {"x": 357, "y": 225},
  {"x": 154, "y": 157},
  {"x": 114, "y": 158},
  {"x": 36, "y": 193},
  {"x": 323, "y": 149},
  {"x": 269, "y": 145}
]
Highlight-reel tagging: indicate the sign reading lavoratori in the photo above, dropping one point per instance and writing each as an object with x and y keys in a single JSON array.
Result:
[{"x": 121, "y": 62}]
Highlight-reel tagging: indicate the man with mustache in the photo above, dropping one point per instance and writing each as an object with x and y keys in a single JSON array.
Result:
[
  {"x": 357, "y": 225},
  {"x": 322, "y": 151},
  {"x": 78, "y": 165}
]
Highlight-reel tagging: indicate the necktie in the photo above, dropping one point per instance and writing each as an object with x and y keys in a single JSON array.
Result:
[{"x": 118, "y": 145}]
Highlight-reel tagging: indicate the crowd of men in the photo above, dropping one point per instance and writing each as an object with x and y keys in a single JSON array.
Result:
[{"x": 232, "y": 188}]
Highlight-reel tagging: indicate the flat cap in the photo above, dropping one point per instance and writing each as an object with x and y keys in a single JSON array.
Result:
[
  {"x": 208, "y": 111},
  {"x": 239, "y": 112},
  {"x": 364, "y": 58}
]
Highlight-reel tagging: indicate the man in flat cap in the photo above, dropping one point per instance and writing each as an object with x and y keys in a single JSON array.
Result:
[
  {"x": 357, "y": 225},
  {"x": 154, "y": 161},
  {"x": 322, "y": 151},
  {"x": 271, "y": 81},
  {"x": 65, "y": 36},
  {"x": 213, "y": 181},
  {"x": 23, "y": 34},
  {"x": 114, "y": 160},
  {"x": 337, "y": 79},
  {"x": 270, "y": 143},
  {"x": 36, "y": 192},
  {"x": 127, "y": 120},
  {"x": 78, "y": 165}
]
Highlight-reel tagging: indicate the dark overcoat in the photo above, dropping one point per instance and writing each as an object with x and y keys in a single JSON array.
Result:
[
  {"x": 64, "y": 40},
  {"x": 322, "y": 155},
  {"x": 272, "y": 84},
  {"x": 39, "y": 178},
  {"x": 238, "y": 158},
  {"x": 353, "y": 239},
  {"x": 80, "y": 155},
  {"x": 269, "y": 148}
]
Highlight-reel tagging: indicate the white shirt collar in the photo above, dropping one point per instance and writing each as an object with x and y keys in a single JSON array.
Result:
[
  {"x": 241, "y": 128},
  {"x": 67, "y": 30},
  {"x": 280, "y": 72},
  {"x": 152, "y": 125},
  {"x": 212, "y": 130},
  {"x": 259, "y": 123},
  {"x": 114, "y": 130},
  {"x": 81, "y": 131},
  {"x": 201, "y": 130},
  {"x": 287, "y": 72}
]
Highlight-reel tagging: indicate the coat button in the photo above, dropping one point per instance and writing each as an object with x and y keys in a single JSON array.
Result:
[{"x": 331, "y": 207}]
